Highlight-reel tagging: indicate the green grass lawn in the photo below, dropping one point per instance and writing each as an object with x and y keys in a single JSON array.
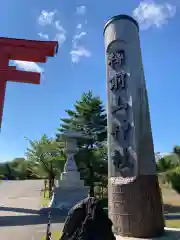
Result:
[
  {"x": 171, "y": 200},
  {"x": 55, "y": 236},
  {"x": 173, "y": 223},
  {"x": 44, "y": 199}
]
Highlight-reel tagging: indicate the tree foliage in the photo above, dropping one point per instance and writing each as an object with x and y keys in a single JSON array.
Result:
[
  {"x": 166, "y": 163},
  {"x": 89, "y": 118},
  {"x": 46, "y": 154},
  {"x": 46, "y": 158},
  {"x": 169, "y": 169}
]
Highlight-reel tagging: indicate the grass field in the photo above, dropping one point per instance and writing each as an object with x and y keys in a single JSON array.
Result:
[
  {"x": 44, "y": 199},
  {"x": 55, "y": 236},
  {"x": 171, "y": 201}
]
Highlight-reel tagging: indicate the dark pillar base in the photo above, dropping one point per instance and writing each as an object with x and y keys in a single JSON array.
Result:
[{"x": 135, "y": 208}]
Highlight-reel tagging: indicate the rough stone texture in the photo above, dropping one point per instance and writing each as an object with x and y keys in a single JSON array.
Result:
[
  {"x": 67, "y": 197},
  {"x": 172, "y": 234},
  {"x": 135, "y": 205},
  {"x": 131, "y": 157}
]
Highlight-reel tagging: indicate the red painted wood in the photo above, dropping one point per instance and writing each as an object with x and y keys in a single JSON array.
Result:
[
  {"x": 26, "y": 54},
  {"x": 2, "y": 97},
  {"x": 14, "y": 75},
  {"x": 3, "y": 64},
  {"x": 24, "y": 50},
  {"x": 49, "y": 47}
]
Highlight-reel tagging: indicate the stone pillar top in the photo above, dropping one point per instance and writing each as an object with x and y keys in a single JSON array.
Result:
[{"x": 119, "y": 17}]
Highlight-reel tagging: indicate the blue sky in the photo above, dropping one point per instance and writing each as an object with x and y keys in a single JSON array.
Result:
[{"x": 32, "y": 110}]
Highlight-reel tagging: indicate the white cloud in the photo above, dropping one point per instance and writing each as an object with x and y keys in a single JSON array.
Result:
[
  {"x": 46, "y": 18},
  {"x": 59, "y": 27},
  {"x": 81, "y": 10},
  {"x": 80, "y": 35},
  {"x": 79, "y": 52},
  {"x": 79, "y": 26},
  {"x": 60, "y": 37},
  {"x": 77, "y": 37},
  {"x": 149, "y": 14},
  {"x": 42, "y": 35},
  {"x": 28, "y": 66}
]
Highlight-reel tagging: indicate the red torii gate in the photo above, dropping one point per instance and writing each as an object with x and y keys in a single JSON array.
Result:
[{"x": 24, "y": 50}]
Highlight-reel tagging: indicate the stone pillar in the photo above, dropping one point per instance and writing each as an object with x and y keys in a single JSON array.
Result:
[
  {"x": 71, "y": 175},
  {"x": 71, "y": 150},
  {"x": 135, "y": 205},
  {"x": 71, "y": 187}
]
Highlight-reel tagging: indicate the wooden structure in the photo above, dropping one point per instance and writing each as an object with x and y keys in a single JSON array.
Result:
[{"x": 23, "y": 50}]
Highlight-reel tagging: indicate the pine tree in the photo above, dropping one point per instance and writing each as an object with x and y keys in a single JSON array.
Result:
[{"x": 89, "y": 118}]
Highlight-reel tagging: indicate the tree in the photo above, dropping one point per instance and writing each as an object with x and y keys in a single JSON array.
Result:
[
  {"x": 169, "y": 170},
  {"x": 7, "y": 171},
  {"x": 89, "y": 118},
  {"x": 3, "y": 169},
  {"x": 20, "y": 167},
  {"x": 176, "y": 150},
  {"x": 44, "y": 157},
  {"x": 93, "y": 168},
  {"x": 166, "y": 163}
]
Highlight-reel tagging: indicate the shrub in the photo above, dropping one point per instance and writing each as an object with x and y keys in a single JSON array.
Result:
[
  {"x": 166, "y": 163},
  {"x": 174, "y": 179},
  {"x": 1, "y": 177}
]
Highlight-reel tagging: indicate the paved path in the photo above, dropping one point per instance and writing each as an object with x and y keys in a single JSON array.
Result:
[{"x": 19, "y": 211}]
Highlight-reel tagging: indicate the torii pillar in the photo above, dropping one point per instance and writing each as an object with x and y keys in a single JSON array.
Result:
[{"x": 23, "y": 50}]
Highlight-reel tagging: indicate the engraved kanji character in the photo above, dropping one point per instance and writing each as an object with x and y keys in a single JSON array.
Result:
[
  {"x": 121, "y": 76},
  {"x": 119, "y": 101},
  {"x": 111, "y": 58},
  {"x": 115, "y": 131},
  {"x": 114, "y": 84},
  {"x": 126, "y": 154},
  {"x": 117, "y": 158},
  {"x": 116, "y": 58},
  {"x": 118, "y": 104},
  {"x": 118, "y": 79},
  {"x": 120, "y": 57},
  {"x": 125, "y": 127}
]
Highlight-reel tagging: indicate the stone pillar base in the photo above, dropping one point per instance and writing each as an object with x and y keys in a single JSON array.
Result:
[
  {"x": 65, "y": 197},
  {"x": 135, "y": 206}
]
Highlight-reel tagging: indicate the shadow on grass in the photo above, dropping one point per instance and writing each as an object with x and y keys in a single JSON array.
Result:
[
  {"x": 58, "y": 216},
  {"x": 168, "y": 208},
  {"x": 171, "y": 212},
  {"x": 39, "y": 217}
]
